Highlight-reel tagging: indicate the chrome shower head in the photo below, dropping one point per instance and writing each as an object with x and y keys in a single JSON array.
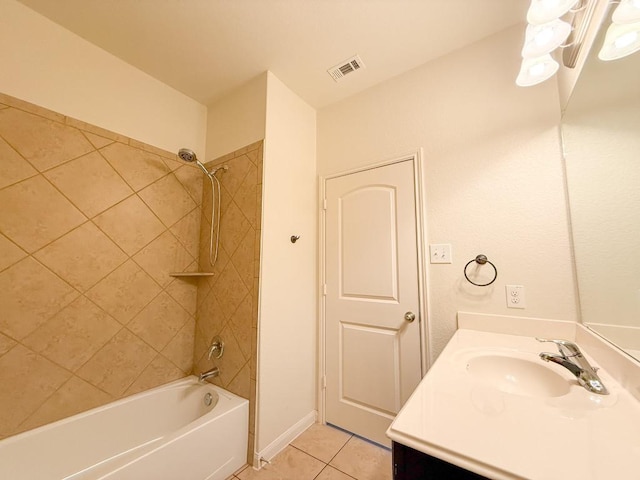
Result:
[
  {"x": 190, "y": 156},
  {"x": 187, "y": 155}
]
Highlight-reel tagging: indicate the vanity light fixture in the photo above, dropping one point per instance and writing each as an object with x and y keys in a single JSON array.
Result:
[
  {"x": 536, "y": 70},
  {"x": 628, "y": 11},
  {"x": 621, "y": 40},
  {"x": 545, "y": 38},
  {"x": 544, "y": 11},
  {"x": 623, "y": 35},
  {"x": 546, "y": 32}
]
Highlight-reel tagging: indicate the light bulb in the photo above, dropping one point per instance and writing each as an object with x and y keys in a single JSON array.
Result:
[
  {"x": 541, "y": 39},
  {"x": 544, "y": 11},
  {"x": 536, "y": 70},
  {"x": 628, "y": 11},
  {"x": 620, "y": 41}
]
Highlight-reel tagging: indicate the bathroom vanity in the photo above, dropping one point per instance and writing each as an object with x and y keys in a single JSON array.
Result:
[{"x": 491, "y": 408}]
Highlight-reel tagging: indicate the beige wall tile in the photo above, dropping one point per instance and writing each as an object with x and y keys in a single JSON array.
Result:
[
  {"x": 115, "y": 367},
  {"x": 192, "y": 179},
  {"x": 241, "y": 383},
  {"x": 74, "y": 397},
  {"x": 82, "y": 257},
  {"x": 230, "y": 290},
  {"x": 131, "y": 224},
  {"x": 163, "y": 256},
  {"x": 245, "y": 196},
  {"x": 159, "y": 321},
  {"x": 184, "y": 290},
  {"x": 13, "y": 168},
  {"x": 137, "y": 167},
  {"x": 6, "y": 344},
  {"x": 73, "y": 335},
  {"x": 240, "y": 324},
  {"x": 10, "y": 253},
  {"x": 97, "y": 141},
  {"x": 233, "y": 178},
  {"x": 31, "y": 108},
  {"x": 30, "y": 294},
  {"x": 87, "y": 127},
  {"x": 180, "y": 348},
  {"x": 43, "y": 142},
  {"x": 168, "y": 199},
  {"x": 27, "y": 380},
  {"x": 124, "y": 292},
  {"x": 187, "y": 231},
  {"x": 233, "y": 227},
  {"x": 243, "y": 258},
  {"x": 211, "y": 317},
  {"x": 158, "y": 372},
  {"x": 90, "y": 183},
  {"x": 33, "y": 213},
  {"x": 232, "y": 361}
]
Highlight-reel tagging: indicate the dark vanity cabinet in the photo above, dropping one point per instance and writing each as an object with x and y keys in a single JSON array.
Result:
[{"x": 410, "y": 464}]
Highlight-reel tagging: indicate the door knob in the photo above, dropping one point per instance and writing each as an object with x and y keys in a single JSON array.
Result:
[{"x": 409, "y": 316}]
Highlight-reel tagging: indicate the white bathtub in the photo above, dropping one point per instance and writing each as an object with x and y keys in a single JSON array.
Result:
[{"x": 167, "y": 433}]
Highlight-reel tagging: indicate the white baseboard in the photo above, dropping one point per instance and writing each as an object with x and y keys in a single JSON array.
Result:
[{"x": 279, "y": 444}]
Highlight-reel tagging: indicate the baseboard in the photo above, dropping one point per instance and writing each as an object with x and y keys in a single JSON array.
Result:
[{"x": 280, "y": 443}]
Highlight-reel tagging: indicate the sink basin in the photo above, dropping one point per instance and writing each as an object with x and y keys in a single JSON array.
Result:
[{"x": 518, "y": 376}]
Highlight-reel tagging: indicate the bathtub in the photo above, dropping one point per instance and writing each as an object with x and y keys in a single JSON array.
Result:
[{"x": 168, "y": 433}]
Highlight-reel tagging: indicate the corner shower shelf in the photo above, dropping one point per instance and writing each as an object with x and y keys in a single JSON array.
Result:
[{"x": 191, "y": 274}]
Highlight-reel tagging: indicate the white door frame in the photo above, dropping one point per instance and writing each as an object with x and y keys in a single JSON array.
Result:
[{"x": 416, "y": 159}]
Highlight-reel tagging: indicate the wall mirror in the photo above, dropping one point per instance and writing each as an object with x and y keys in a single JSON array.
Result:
[{"x": 601, "y": 144}]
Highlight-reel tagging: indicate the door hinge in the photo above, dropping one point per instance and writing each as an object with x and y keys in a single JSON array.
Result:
[
  {"x": 324, "y": 204},
  {"x": 324, "y": 289},
  {"x": 324, "y": 382}
]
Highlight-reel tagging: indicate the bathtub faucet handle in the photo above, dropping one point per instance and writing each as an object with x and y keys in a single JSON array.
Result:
[{"x": 217, "y": 348}]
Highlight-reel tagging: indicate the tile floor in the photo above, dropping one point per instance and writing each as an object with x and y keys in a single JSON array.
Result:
[{"x": 323, "y": 452}]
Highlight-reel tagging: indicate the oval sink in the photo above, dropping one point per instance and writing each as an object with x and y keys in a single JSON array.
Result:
[{"x": 518, "y": 376}]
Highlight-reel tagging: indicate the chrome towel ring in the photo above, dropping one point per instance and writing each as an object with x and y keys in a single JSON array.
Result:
[{"x": 481, "y": 260}]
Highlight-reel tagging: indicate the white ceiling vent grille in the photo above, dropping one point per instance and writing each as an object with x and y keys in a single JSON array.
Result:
[{"x": 345, "y": 68}]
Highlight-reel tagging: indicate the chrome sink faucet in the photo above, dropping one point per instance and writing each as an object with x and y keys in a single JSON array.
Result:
[{"x": 571, "y": 358}]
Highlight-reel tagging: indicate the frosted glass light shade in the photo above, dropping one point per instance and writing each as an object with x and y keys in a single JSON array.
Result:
[
  {"x": 543, "y": 11},
  {"x": 545, "y": 38},
  {"x": 620, "y": 41},
  {"x": 628, "y": 11},
  {"x": 536, "y": 70}
]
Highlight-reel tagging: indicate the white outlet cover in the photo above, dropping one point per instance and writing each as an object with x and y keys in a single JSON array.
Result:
[{"x": 515, "y": 296}]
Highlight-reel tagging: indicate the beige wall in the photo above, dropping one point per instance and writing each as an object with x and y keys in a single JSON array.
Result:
[
  {"x": 228, "y": 300},
  {"x": 238, "y": 119},
  {"x": 91, "y": 224},
  {"x": 492, "y": 174},
  {"x": 287, "y": 323},
  {"x": 48, "y": 65}
]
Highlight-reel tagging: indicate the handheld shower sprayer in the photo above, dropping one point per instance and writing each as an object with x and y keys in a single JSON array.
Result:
[{"x": 189, "y": 156}]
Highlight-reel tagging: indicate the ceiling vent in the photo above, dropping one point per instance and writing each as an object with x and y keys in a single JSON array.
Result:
[{"x": 345, "y": 68}]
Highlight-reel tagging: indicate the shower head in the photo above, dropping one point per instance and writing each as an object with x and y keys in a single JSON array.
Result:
[
  {"x": 187, "y": 155},
  {"x": 190, "y": 156}
]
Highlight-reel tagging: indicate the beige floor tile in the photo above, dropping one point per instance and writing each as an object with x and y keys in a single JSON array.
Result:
[
  {"x": 321, "y": 441},
  {"x": 330, "y": 473},
  {"x": 289, "y": 464},
  {"x": 363, "y": 460}
]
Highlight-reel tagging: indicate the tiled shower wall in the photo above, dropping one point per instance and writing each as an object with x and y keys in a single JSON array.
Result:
[
  {"x": 91, "y": 224},
  {"x": 228, "y": 300}
]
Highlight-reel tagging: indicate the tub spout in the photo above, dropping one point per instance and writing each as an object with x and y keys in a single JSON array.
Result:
[{"x": 214, "y": 372}]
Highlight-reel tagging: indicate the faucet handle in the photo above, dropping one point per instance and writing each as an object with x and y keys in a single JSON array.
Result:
[
  {"x": 217, "y": 348},
  {"x": 573, "y": 349}
]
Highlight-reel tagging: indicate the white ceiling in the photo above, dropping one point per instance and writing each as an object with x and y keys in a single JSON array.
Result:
[{"x": 206, "y": 48}]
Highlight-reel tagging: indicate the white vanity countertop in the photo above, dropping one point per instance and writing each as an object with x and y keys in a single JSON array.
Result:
[{"x": 464, "y": 419}]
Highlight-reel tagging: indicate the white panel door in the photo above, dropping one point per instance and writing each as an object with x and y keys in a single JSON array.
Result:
[{"x": 372, "y": 361}]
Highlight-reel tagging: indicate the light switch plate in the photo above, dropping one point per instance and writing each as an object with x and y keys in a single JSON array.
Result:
[{"x": 440, "y": 253}]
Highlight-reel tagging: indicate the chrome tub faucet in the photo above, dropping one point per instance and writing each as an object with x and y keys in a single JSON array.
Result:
[
  {"x": 214, "y": 372},
  {"x": 572, "y": 359}
]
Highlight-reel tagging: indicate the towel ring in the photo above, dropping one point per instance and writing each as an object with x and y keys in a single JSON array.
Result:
[{"x": 481, "y": 260}]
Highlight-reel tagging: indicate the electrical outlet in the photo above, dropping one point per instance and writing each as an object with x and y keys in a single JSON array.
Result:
[
  {"x": 515, "y": 296},
  {"x": 440, "y": 253}
]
